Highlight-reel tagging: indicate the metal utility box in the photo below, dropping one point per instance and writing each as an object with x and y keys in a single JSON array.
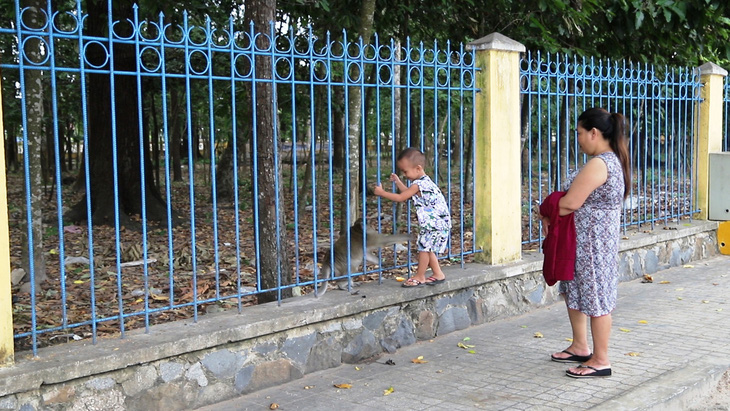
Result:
[{"x": 719, "y": 195}]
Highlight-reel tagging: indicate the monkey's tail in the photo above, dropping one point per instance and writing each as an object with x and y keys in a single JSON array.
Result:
[
  {"x": 322, "y": 281},
  {"x": 392, "y": 239}
]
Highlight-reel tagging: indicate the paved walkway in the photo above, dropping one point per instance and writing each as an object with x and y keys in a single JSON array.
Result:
[{"x": 669, "y": 347}]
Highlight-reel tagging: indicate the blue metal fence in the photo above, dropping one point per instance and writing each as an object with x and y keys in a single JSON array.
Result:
[
  {"x": 726, "y": 113},
  {"x": 660, "y": 105},
  {"x": 195, "y": 89}
]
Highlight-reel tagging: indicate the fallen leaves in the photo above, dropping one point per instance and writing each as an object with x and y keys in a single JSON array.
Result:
[
  {"x": 643, "y": 322},
  {"x": 419, "y": 360},
  {"x": 343, "y": 386},
  {"x": 664, "y": 282},
  {"x": 400, "y": 279},
  {"x": 647, "y": 279},
  {"x": 633, "y": 354},
  {"x": 626, "y": 330},
  {"x": 388, "y": 391},
  {"x": 467, "y": 347},
  {"x": 273, "y": 406},
  {"x": 538, "y": 334}
]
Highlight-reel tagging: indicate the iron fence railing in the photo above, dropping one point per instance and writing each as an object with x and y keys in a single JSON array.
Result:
[
  {"x": 660, "y": 105},
  {"x": 193, "y": 86},
  {"x": 726, "y": 113}
]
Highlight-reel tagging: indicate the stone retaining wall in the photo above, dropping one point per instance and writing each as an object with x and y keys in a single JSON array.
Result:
[{"x": 186, "y": 365}]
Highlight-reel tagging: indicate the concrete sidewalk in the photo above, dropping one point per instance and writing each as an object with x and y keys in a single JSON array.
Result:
[{"x": 669, "y": 348}]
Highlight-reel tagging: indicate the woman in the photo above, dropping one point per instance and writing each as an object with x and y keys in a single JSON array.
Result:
[{"x": 595, "y": 196}]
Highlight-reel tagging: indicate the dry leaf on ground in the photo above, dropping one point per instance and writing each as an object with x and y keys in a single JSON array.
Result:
[
  {"x": 419, "y": 360},
  {"x": 344, "y": 386}
]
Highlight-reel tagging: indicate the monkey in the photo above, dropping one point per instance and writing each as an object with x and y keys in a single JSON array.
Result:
[{"x": 373, "y": 241}]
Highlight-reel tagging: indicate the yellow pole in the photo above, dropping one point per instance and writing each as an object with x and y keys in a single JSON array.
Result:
[
  {"x": 710, "y": 132},
  {"x": 7, "y": 352},
  {"x": 497, "y": 202}
]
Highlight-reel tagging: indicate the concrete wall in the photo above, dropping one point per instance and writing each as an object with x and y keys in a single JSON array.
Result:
[{"x": 185, "y": 365}]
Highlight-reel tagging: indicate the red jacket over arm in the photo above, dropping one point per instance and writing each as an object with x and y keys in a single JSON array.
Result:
[{"x": 559, "y": 244}]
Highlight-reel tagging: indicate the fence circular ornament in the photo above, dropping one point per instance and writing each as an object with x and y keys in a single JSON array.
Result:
[
  {"x": 243, "y": 69},
  {"x": 242, "y": 41},
  {"x": 354, "y": 72},
  {"x": 304, "y": 48},
  {"x": 68, "y": 20},
  {"x": 119, "y": 27},
  {"x": 385, "y": 75},
  {"x": 40, "y": 51},
  {"x": 384, "y": 52},
  {"x": 284, "y": 45},
  {"x": 221, "y": 38},
  {"x": 442, "y": 57},
  {"x": 354, "y": 51},
  {"x": 149, "y": 31},
  {"x": 613, "y": 88},
  {"x": 197, "y": 32},
  {"x": 429, "y": 57},
  {"x": 203, "y": 59},
  {"x": 284, "y": 69},
  {"x": 525, "y": 82},
  {"x": 315, "y": 70},
  {"x": 442, "y": 77},
  {"x": 87, "y": 54},
  {"x": 370, "y": 53},
  {"x": 414, "y": 76},
  {"x": 467, "y": 79},
  {"x": 319, "y": 47},
  {"x": 261, "y": 42},
  {"x": 150, "y": 59},
  {"x": 414, "y": 55},
  {"x": 562, "y": 84},
  {"x": 173, "y": 34},
  {"x": 42, "y": 26}
]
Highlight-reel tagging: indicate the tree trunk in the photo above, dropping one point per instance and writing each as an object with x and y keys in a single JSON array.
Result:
[
  {"x": 354, "y": 153},
  {"x": 273, "y": 261},
  {"x": 338, "y": 132},
  {"x": 11, "y": 148},
  {"x": 175, "y": 134},
  {"x": 129, "y": 176},
  {"x": 35, "y": 134},
  {"x": 154, "y": 135},
  {"x": 304, "y": 194},
  {"x": 69, "y": 146}
]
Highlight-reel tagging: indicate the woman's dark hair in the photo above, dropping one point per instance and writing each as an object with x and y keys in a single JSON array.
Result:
[{"x": 613, "y": 128}]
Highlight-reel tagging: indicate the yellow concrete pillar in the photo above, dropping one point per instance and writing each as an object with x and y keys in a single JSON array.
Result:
[
  {"x": 497, "y": 202},
  {"x": 7, "y": 352},
  {"x": 709, "y": 134}
]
